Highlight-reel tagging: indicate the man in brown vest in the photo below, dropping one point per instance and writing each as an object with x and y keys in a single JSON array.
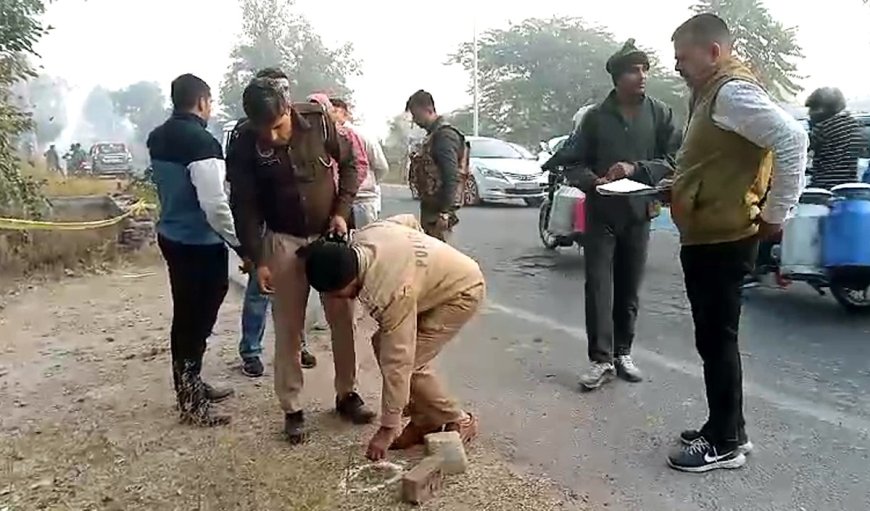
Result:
[
  {"x": 439, "y": 169},
  {"x": 740, "y": 149}
]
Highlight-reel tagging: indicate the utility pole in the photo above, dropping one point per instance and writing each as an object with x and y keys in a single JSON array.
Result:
[{"x": 476, "y": 115}]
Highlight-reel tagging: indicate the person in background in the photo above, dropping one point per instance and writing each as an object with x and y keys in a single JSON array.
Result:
[
  {"x": 367, "y": 206},
  {"x": 836, "y": 139},
  {"x": 52, "y": 159},
  {"x": 439, "y": 168},
  {"x": 628, "y": 135},
  {"x": 195, "y": 226},
  {"x": 421, "y": 292},
  {"x": 739, "y": 147},
  {"x": 256, "y": 303},
  {"x": 284, "y": 153}
]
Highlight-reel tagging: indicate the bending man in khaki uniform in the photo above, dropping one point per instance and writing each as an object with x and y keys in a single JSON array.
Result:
[{"x": 421, "y": 292}]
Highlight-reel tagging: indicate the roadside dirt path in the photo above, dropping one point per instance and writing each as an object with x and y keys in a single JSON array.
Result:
[{"x": 87, "y": 419}]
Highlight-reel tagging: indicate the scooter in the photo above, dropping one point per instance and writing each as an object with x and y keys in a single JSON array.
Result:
[
  {"x": 813, "y": 249},
  {"x": 567, "y": 236}
]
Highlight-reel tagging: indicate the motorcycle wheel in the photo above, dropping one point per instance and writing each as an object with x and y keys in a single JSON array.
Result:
[
  {"x": 854, "y": 301},
  {"x": 549, "y": 241}
]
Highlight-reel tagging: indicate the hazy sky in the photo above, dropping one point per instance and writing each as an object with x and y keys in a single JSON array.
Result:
[{"x": 402, "y": 44}]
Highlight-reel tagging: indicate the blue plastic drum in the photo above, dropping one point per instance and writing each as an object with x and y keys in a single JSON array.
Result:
[{"x": 846, "y": 241}]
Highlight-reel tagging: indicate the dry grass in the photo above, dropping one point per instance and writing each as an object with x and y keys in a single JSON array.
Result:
[
  {"x": 56, "y": 185},
  {"x": 57, "y": 252}
]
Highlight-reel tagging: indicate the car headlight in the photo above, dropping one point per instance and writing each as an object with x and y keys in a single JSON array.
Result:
[{"x": 491, "y": 173}]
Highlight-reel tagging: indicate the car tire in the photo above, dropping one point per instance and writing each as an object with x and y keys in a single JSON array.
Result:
[
  {"x": 471, "y": 194},
  {"x": 534, "y": 202}
]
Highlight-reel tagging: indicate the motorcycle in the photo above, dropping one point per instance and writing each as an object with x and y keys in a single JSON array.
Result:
[
  {"x": 823, "y": 245},
  {"x": 566, "y": 202}
]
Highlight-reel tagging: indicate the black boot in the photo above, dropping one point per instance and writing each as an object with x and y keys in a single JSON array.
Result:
[
  {"x": 193, "y": 403},
  {"x": 294, "y": 427}
]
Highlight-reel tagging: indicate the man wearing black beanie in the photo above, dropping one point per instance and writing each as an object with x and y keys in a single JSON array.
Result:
[{"x": 628, "y": 135}]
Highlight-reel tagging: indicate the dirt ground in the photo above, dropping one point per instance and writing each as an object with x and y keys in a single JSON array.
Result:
[{"x": 87, "y": 419}]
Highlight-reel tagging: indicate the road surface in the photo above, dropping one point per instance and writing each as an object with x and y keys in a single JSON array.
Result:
[{"x": 805, "y": 363}]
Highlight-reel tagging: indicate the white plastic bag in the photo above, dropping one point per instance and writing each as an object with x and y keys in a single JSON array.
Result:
[{"x": 562, "y": 211}]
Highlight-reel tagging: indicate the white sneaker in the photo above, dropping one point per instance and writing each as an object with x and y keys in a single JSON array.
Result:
[
  {"x": 599, "y": 373},
  {"x": 626, "y": 369}
]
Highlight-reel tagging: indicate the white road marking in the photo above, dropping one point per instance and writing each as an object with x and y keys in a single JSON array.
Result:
[{"x": 813, "y": 409}]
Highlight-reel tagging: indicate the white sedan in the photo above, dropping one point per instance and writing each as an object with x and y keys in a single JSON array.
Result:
[{"x": 502, "y": 171}]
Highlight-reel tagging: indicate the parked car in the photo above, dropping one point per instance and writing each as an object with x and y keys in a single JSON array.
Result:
[
  {"x": 502, "y": 171},
  {"x": 111, "y": 158}
]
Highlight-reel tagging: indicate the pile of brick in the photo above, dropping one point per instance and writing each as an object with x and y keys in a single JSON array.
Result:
[
  {"x": 138, "y": 231},
  {"x": 445, "y": 455}
]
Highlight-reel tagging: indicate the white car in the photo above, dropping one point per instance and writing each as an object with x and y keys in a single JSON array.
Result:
[{"x": 502, "y": 171}]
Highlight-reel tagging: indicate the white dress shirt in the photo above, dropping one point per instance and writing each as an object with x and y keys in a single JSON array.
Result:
[{"x": 746, "y": 109}]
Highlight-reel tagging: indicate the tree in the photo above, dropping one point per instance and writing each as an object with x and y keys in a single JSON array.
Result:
[
  {"x": 143, "y": 104},
  {"x": 536, "y": 74},
  {"x": 767, "y": 46},
  {"x": 402, "y": 134},
  {"x": 99, "y": 113},
  {"x": 44, "y": 99},
  {"x": 275, "y": 35},
  {"x": 20, "y": 30}
]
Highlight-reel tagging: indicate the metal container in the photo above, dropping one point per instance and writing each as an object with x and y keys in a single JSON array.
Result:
[{"x": 800, "y": 253}]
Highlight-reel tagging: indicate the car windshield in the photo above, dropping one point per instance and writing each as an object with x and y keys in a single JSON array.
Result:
[
  {"x": 111, "y": 148},
  {"x": 525, "y": 153},
  {"x": 491, "y": 148}
]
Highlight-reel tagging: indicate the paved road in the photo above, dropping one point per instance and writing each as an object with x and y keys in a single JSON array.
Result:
[{"x": 806, "y": 365}]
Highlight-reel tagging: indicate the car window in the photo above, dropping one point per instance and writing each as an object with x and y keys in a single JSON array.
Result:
[
  {"x": 111, "y": 148},
  {"x": 492, "y": 148}
]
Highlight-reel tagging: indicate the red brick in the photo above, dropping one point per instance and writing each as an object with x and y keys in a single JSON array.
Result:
[{"x": 422, "y": 482}]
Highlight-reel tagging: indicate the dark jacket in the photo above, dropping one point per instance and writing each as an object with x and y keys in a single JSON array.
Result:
[
  {"x": 447, "y": 149},
  {"x": 174, "y": 147},
  {"x": 604, "y": 137},
  {"x": 291, "y": 190}
]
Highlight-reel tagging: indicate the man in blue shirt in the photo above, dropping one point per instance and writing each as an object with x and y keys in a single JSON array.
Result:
[{"x": 194, "y": 229}]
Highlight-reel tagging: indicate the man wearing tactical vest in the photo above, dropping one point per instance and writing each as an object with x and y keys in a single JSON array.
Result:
[
  {"x": 285, "y": 182},
  {"x": 439, "y": 169},
  {"x": 740, "y": 149}
]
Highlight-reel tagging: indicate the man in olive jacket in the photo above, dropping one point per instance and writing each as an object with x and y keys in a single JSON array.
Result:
[{"x": 628, "y": 135}]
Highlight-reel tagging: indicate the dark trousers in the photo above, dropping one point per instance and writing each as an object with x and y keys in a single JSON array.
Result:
[
  {"x": 199, "y": 281},
  {"x": 615, "y": 258},
  {"x": 714, "y": 275}
]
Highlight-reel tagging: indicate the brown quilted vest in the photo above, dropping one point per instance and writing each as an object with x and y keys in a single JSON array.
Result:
[{"x": 424, "y": 175}]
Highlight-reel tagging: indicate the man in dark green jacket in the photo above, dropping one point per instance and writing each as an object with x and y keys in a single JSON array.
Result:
[{"x": 628, "y": 135}]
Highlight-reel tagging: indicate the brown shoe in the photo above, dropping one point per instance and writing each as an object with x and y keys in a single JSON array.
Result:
[
  {"x": 467, "y": 428},
  {"x": 411, "y": 436}
]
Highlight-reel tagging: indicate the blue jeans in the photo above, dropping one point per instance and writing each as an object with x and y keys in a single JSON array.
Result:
[{"x": 254, "y": 311}]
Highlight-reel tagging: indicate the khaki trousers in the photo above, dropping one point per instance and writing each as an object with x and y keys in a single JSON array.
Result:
[
  {"x": 288, "y": 313},
  {"x": 430, "y": 404}
]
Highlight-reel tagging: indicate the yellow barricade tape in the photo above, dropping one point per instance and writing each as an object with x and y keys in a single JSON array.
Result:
[{"x": 16, "y": 224}]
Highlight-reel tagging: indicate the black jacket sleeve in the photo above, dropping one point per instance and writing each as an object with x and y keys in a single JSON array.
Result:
[
  {"x": 243, "y": 195},
  {"x": 579, "y": 155},
  {"x": 447, "y": 145},
  {"x": 668, "y": 140}
]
